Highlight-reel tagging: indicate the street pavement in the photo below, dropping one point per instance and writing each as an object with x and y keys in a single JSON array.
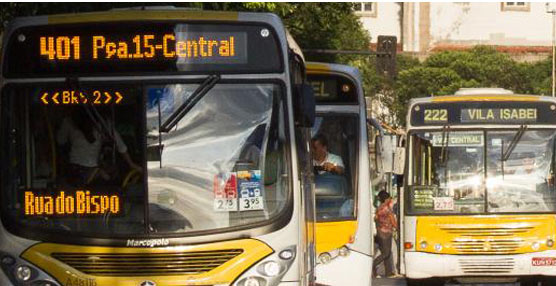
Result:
[{"x": 401, "y": 282}]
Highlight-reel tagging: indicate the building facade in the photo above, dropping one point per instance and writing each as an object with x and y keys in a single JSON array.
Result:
[{"x": 519, "y": 28}]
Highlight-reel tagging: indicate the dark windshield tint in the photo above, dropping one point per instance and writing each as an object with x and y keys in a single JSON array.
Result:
[{"x": 83, "y": 162}]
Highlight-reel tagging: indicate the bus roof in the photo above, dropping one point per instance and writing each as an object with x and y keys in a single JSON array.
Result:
[
  {"x": 482, "y": 97},
  {"x": 143, "y": 15},
  {"x": 325, "y": 68}
]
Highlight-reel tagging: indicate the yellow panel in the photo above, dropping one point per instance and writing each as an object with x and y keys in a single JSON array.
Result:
[
  {"x": 131, "y": 15},
  {"x": 496, "y": 234},
  {"x": 317, "y": 68},
  {"x": 333, "y": 235},
  {"x": 486, "y": 98},
  {"x": 41, "y": 255}
]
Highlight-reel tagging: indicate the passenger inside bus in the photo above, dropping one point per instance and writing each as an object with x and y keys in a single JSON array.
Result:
[{"x": 84, "y": 136}]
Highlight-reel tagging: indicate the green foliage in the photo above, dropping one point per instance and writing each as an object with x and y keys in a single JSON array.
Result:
[{"x": 445, "y": 72}]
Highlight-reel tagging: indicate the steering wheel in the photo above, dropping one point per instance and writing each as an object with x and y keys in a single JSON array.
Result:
[{"x": 132, "y": 177}]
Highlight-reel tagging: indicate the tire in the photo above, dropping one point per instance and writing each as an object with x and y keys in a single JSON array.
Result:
[
  {"x": 548, "y": 281},
  {"x": 425, "y": 282},
  {"x": 531, "y": 282}
]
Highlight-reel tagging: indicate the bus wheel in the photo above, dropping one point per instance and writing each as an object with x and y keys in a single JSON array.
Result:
[
  {"x": 548, "y": 281},
  {"x": 425, "y": 282},
  {"x": 532, "y": 282}
]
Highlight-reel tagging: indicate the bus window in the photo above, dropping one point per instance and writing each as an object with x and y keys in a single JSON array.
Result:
[
  {"x": 522, "y": 182},
  {"x": 76, "y": 150},
  {"x": 233, "y": 139},
  {"x": 334, "y": 147},
  {"x": 447, "y": 177},
  {"x": 76, "y": 163}
]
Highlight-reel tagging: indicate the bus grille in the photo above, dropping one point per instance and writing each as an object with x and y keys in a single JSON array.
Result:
[
  {"x": 487, "y": 246},
  {"x": 484, "y": 266},
  {"x": 487, "y": 231},
  {"x": 143, "y": 264}
]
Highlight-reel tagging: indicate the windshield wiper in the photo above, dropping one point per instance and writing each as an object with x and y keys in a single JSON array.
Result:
[
  {"x": 517, "y": 137},
  {"x": 444, "y": 151},
  {"x": 187, "y": 105},
  {"x": 445, "y": 144}
]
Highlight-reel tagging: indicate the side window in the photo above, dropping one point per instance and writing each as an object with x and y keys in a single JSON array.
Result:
[{"x": 334, "y": 144}]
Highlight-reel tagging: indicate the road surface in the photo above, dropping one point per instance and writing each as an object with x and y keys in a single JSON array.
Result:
[{"x": 401, "y": 282}]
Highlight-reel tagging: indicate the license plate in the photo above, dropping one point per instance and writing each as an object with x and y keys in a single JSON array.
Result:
[{"x": 544, "y": 261}]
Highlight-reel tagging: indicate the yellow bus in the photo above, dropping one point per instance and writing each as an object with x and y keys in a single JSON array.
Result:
[
  {"x": 479, "y": 196},
  {"x": 156, "y": 147},
  {"x": 343, "y": 199}
]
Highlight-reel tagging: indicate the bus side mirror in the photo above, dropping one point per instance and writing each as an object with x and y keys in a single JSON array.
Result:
[
  {"x": 399, "y": 160},
  {"x": 381, "y": 160},
  {"x": 304, "y": 105}
]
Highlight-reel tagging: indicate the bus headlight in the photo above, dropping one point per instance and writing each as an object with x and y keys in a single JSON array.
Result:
[
  {"x": 550, "y": 243},
  {"x": 21, "y": 272},
  {"x": 286, "y": 254},
  {"x": 325, "y": 258},
  {"x": 438, "y": 247},
  {"x": 253, "y": 281},
  {"x": 344, "y": 251},
  {"x": 269, "y": 271},
  {"x": 423, "y": 244},
  {"x": 535, "y": 245}
]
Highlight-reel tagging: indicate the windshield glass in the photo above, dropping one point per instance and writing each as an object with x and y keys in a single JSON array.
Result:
[
  {"x": 94, "y": 161},
  {"x": 447, "y": 172},
  {"x": 449, "y": 176},
  {"x": 334, "y": 146},
  {"x": 524, "y": 182}
]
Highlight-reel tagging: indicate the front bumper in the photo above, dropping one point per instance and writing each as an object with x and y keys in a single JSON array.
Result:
[
  {"x": 354, "y": 270},
  {"x": 420, "y": 265}
]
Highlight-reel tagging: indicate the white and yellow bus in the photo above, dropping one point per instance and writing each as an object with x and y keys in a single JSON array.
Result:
[
  {"x": 479, "y": 196},
  {"x": 155, "y": 147},
  {"x": 343, "y": 201}
]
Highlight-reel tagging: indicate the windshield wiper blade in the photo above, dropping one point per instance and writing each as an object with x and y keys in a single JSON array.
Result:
[
  {"x": 445, "y": 144},
  {"x": 187, "y": 105},
  {"x": 506, "y": 155}
]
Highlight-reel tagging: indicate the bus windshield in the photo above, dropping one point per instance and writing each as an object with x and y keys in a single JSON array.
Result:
[
  {"x": 94, "y": 160},
  {"x": 471, "y": 172}
]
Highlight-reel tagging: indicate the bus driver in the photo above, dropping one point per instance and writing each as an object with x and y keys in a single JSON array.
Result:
[{"x": 324, "y": 161}]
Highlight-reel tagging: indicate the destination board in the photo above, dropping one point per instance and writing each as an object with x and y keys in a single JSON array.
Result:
[
  {"x": 141, "y": 47},
  {"x": 333, "y": 89},
  {"x": 477, "y": 113}
]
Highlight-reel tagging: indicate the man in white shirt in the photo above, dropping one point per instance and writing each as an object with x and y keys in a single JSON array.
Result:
[{"x": 326, "y": 161}]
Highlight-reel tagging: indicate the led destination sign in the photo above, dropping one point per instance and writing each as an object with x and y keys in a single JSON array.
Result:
[
  {"x": 483, "y": 113},
  {"x": 333, "y": 89},
  {"x": 499, "y": 115},
  {"x": 76, "y": 97},
  {"x": 80, "y": 203},
  {"x": 109, "y": 48},
  {"x": 198, "y": 47}
]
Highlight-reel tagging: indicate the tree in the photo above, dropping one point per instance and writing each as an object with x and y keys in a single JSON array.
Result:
[{"x": 445, "y": 72}]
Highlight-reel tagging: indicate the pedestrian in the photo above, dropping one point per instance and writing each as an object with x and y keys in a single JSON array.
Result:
[{"x": 386, "y": 224}]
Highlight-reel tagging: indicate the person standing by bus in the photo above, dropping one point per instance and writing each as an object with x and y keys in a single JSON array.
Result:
[{"x": 386, "y": 224}]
